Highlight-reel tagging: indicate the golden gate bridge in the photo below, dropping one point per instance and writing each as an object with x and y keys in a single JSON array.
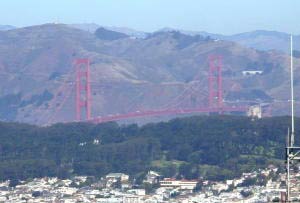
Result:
[{"x": 83, "y": 97}]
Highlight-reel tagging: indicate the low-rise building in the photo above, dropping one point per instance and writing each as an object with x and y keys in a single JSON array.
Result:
[
  {"x": 152, "y": 177},
  {"x": 118, "y": 176},
  {"x": 117, "y": 180},
  {"x": 181, "y": 184},
  {"x": 218, "y": 187}
]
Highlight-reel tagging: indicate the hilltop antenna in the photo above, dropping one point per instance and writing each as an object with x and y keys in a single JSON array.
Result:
[
  {"x": 292, "y": 152},
  {"x": 288, "y": 138},
  {"x": 292, "y": 97}
]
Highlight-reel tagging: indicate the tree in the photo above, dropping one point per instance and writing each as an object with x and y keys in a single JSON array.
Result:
[
  {"x": 14, "y": 182},
  {"x": 36, "y": 194},
  {"x": 248, "y": 182},
  {"x": 246, "y": 193}
]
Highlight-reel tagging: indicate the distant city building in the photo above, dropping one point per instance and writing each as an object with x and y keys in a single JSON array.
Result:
[
  {"x": 119, "y": 176},
  {"x": 118, "y": 180},
  {"x": 180, "y": 184},
  {"x": 218, "y": 187},
  {"x": 139, "y": 192},
  {"x": 152, "y": 177},
  {"x": 131, "y": 199}
]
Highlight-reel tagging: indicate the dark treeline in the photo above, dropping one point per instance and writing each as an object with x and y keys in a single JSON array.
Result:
[{"x": 216, "y": 147}]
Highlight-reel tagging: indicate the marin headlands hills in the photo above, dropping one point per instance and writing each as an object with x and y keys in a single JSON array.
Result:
[{"x": 133, "y": 71}]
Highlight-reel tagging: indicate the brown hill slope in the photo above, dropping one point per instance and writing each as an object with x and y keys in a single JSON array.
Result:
[{"x": 127, "y": 74}]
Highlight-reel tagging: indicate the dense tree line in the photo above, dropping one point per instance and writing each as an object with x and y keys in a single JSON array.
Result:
[{"x": 216, "y": 147}]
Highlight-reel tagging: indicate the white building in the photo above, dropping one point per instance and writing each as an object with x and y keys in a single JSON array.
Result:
[
  {"x": 252, "y": 72},
  {"x": 181, "y": 184},
  {"x": 255, "y": 111},
  {"x": 220, "y": 187},
  {"x": 152, "y": 177},
  {"x": 118, "y": 176},
  {"x": 139, "y": 192}
]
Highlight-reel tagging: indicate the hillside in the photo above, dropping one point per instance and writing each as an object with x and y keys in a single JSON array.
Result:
[
  {"x": 128, "y": 74},
  {"x": 6, "y": 27},
  {"x": 213, "y": 147},
  {"x": 92, "y": 27},
  {"x": 263, "y": 40}
]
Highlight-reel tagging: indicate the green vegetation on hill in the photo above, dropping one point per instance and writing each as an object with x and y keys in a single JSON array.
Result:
[
  {"x": 216, "y": 147},
  {"x": 104, "y": 34},
  {"x": 9, "y": 104}
]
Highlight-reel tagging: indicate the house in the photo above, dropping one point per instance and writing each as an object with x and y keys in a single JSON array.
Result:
[
  {"x": 116, "y": 179},
  {"x": 218, "y": 187},
  {"x": 139, "y": 192},
  {"x": 152, "y": 177},
  {"x": 118, "y": 176},
  {"x": 180, "y": 184}
]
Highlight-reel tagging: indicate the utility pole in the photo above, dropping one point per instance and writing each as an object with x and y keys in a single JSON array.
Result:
[
  {"x": 292, "y": 152},
  {"x": 292, "y": 96}
]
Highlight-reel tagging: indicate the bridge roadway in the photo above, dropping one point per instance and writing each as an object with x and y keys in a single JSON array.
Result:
[{"x": 147, "y": 113}]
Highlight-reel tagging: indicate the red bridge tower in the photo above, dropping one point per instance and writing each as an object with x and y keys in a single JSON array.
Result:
[
  {"x": 215, "y": 89},
  {"x": 83, "y": 89}
]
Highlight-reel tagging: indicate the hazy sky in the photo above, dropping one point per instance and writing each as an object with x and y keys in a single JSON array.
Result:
[{"x": 217, "y": 16}]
